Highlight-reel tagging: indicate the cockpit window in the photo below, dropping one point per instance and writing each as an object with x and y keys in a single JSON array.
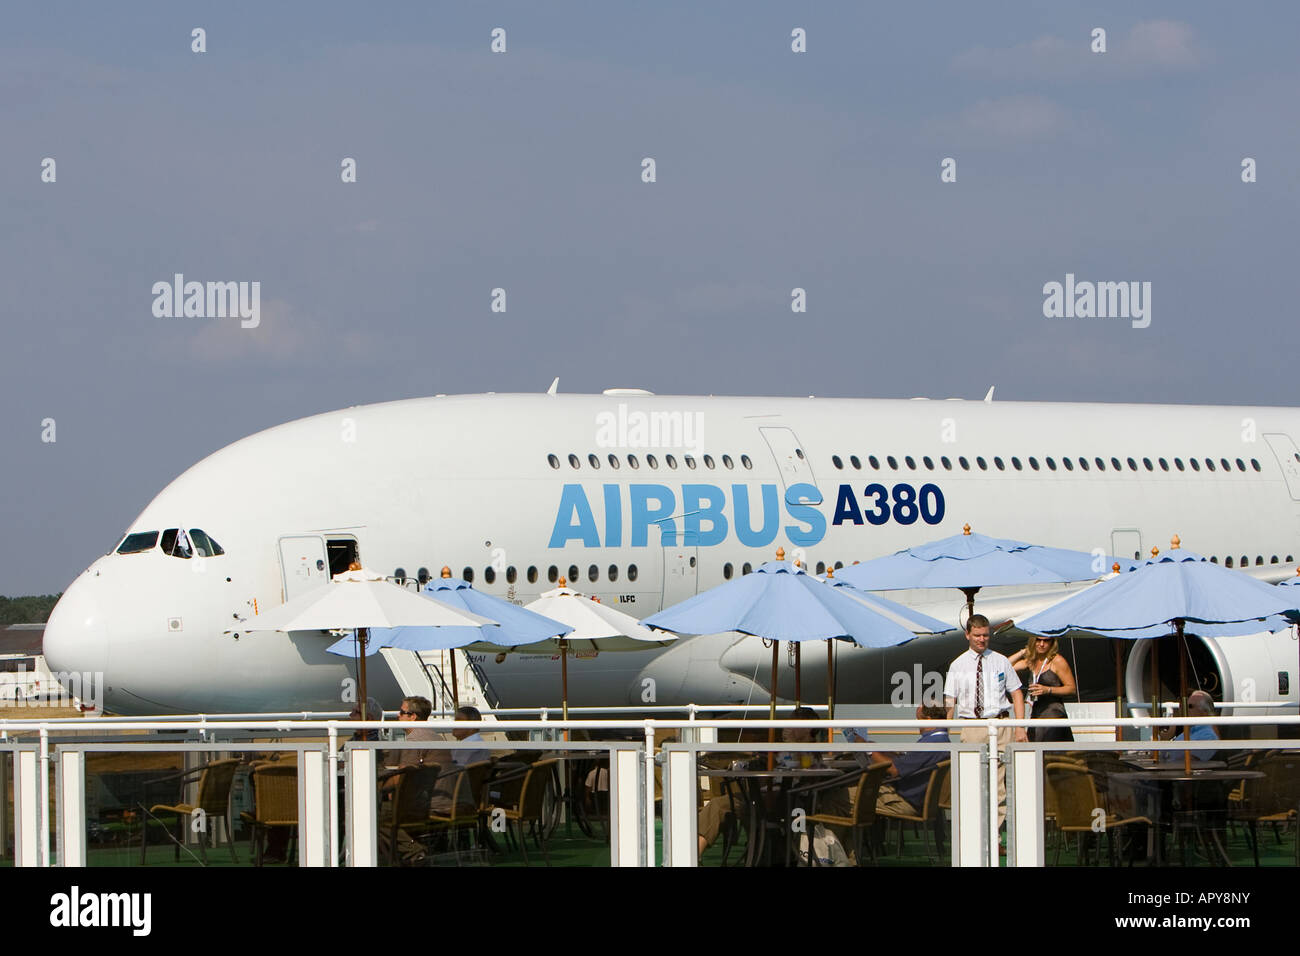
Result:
[
  {"x": 137, "y": 542},
  {"x": 176, "y": 543},
  {"x": 204, "y": 545}
]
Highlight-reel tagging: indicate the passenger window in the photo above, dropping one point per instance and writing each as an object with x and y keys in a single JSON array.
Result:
[
  {"x": 652, "y": 461},
  {"x": 855, "y": 462},
  {"x": 690, "y": 461},
  {"x": 747, "y": 462},
  {"x": 631, "y": 460},
  {"x": 726, "y": 571},
  {"x": 613, "y": 462},
  {"x": 573, "y": 575},
  {"x": 708, "y": 462},
  {"x": 552, "y": 574},
  {"x": 511, "y": 575},
  {"x": 911, "y": 462},
  {"x": 837, "y": 462},
  {"x": 593, "y": 461},
  {"x": 593, "y": 574},
  {"x": 729, "y": 464},
  {"x": 138, "y": 542},
  {"x": 574, "y": 461},
  {"x": 893, "y": 462},
  {"x": 631, "y": 572},
  {"x": 489, "y": 575},
  {"x": 532, "y": 575},
  {"x": 613, "y": 572},
  {"x": 746, "y": 568},
  {"x": 983, "y": 465},
  {"x": 555, "y": 462},
  {"x": 670, "y": 461},
  {"x": 929, "y": 463},
  {"x": 1067, "y": 463},
  {"x": 873, "y": 461},
  {"x": 468, "y": 575}
]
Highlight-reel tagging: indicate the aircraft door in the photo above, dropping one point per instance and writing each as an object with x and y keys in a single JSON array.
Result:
[
  {"x": 1126, "y": 543},
  {"x": 304, "y": 564},
  {"x": 681, "y": 571},
  {"x": 792, "y": 462},
  {"x": 1289, "y": 459}
]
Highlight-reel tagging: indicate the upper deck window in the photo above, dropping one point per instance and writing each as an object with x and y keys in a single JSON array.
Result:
[{"x": 137, "y": 542}]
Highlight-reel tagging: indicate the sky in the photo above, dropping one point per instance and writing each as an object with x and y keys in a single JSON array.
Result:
[{"x": 523, "y": 170}]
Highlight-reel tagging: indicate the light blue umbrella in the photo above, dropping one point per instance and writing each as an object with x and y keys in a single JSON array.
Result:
[
  {"x": 517, "y": 627},
  {"x": 782, "y": 602},
  {"x": 1179, "y": 586},
  {"x": 969, "y": 561},
  {"x": 1165, "y": 594}
]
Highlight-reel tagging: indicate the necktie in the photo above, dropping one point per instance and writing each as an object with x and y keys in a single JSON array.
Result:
[{"x": 979, "y": 686}]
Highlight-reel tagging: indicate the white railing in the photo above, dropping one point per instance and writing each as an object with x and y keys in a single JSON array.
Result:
[{"x": 36, "y": 746}]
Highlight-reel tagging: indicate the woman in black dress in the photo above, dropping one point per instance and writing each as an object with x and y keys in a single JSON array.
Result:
[{"x": 1050, "y": 683}]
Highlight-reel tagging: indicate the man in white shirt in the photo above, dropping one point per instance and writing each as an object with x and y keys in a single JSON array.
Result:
[{"x": 981, "y": 684}]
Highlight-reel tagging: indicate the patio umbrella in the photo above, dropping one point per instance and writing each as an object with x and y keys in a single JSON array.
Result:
[
  {"x": 359, "y": 599},
  {"x": 515, "y": 626},
  {"x": 969, "y": 561},
  {"x": 1169, "y": 592},
  {"x": 781, "y": 602},
  {"x": 591, "y": 626}
]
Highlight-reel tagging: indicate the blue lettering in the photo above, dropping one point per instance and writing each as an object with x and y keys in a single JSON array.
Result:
[
  {"x": 807, "y": 514},
  {"x": 643, "y": 515},
  {"x": 574, "y": 520},
  {"x": 847, "y": 506},
  {"x": 613, "y": 516},
  {"x": 704, "y": 503},
  {"x": 747, "y": 535}
]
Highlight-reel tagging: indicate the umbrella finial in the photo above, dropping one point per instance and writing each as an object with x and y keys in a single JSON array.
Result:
[
  {"x": 354, "y": 566},
  {"x": 830, "y": 572},
  {"x": 1114, "y": 568},
  {"x": 446, "y": 571},
  {"x": 1174, "y": 542},
  {"x": 1155, "y": 552},
  {"x": 965, "y": 529},
  {"x": 563, "y": 583},
  {"x": 780, "y": 554}
]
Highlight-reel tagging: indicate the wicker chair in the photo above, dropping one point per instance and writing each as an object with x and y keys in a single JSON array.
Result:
[
  {"x": 1274, "y": 799},
  {"x": 275, "y": 796},
  {"x": 464, "y": 812},
  {"x": 408, "y": 811},
  {"x": 862, "y": 816},
  {"x": 931, "y": 817},
  {"x": 527, "y": 803},
  {"x": 215, "y": 781},
  {"x": 1078, "y": 803}
]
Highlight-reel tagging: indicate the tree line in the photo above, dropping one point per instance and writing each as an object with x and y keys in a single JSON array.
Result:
[{"x": 29, "y": 609}]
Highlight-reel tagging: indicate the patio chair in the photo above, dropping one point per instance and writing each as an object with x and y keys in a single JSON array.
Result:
[
  {"x": 1274, "y": 799},
  {"x": 1077, "y": 803},
  {"x": 408, "y": 812},
  {"x": 931, "y": 816},
  {"x": 275, "y": 803},
  {"x": 215, "y": 781},
  {"x": 862, "y": 815}
]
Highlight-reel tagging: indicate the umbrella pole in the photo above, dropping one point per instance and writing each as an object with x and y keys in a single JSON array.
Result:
[
  {"x": 1155, "y": 688},
  {"x": 798, "y": 679},
  {"x": 363, "y": 636},
  {"x": 564, "y": 680},
  {"x": 455, "y": 691},
  {"x": 830, "y": 681},
  {"x": 970, "y": 603},
  {"x": 1118, "y": 645},
  {"x": 1182, "y": 692},
  {"x": 771, "y": 711}
]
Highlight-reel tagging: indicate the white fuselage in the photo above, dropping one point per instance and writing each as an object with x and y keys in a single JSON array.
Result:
[{"x": 469, "y": 482}]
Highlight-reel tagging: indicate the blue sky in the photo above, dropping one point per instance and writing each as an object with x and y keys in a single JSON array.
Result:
[{"x": 476, "y": 170}]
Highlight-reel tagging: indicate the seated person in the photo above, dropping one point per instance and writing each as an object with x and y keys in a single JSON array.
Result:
[
  {"x": 909, "y": 772},
  {"x": 413, "y": 710},
  {"x": 453, "y": 764},
  {"x": 1199, "y": 704},
  {"x": 799, "y": 735}
]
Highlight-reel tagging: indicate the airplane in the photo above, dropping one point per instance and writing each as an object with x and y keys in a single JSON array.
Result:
[{"x": 643, "y": 500}]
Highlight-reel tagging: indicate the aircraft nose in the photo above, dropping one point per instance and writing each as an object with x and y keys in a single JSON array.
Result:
[{"x": 76, "y": 635}]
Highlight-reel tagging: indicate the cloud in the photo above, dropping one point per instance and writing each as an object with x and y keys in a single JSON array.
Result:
[
  {"x": 1148, "y": 47},
  {"x": 1164, "y": 44},
  {"x": 1019, "y": 117}
]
